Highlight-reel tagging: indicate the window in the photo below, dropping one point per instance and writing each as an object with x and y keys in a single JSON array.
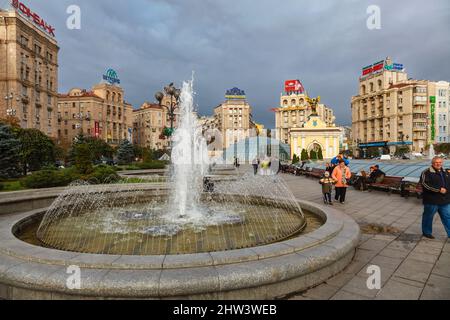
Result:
[
  {"x": 37, "y": 49},
  {"x": 24, "y": 41}
]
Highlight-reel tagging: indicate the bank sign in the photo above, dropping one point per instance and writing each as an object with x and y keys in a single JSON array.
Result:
[
  {"x": 380, "y": 66},
  {"x": 22, "y": 9},
  {"x": 111, "y": 77}
]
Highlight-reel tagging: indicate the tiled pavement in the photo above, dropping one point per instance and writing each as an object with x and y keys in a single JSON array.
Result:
[{"x": 411, "y": 267}]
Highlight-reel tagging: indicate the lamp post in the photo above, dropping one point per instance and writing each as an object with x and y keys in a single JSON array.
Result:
[
  {"x": 174, "y": 95},
  {"x": 9, "y": 109}
]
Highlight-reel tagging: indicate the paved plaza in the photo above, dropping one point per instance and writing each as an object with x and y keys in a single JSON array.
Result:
[{"x": 411, "y": 267}]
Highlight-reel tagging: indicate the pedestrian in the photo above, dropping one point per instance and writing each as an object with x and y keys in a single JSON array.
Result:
[
  {"x": 329, "y": 168},
  {"x": 327, "y": 187},
  {"x": 436, "y": 197},
  {"x": 341, "y": 174},
  {"x": 255, "y": 166}
]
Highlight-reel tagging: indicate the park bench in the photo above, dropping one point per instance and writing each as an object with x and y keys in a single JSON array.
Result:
[
  {"x": 411, "y": 188},
  {"x": 389, "y": 184},
  {"x": 316, "y": 173}
]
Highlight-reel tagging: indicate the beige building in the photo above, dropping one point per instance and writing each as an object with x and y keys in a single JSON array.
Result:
[
  {"x": 233, "y": 118},
  {"x": 294, "y": 112},
  {"x": 101, "y": 112},
  {"x": 315, "y": 134},
  {"x": 392, "y": 110},
  {"x": 28, "y": 72},
  {"x": 149, "y": 123}
]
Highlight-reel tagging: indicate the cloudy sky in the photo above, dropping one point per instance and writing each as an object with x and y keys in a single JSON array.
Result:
[{"x": 252, "y": 44}]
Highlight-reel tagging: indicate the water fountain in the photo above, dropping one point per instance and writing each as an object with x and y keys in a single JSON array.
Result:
[{"x": 246, "y": 237}]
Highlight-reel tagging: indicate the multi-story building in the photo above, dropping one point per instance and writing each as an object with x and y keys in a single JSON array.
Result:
[
  {"x": 101, "y": 112},
  {"x": 28, "y": 69},
  {"x": 392, "y": 110},
  {"x": 149, "y": 123},
  {"x": 233, "y": 118},
  {"x": 294, "y": 111},
  {"x": 442, "y": 111}
]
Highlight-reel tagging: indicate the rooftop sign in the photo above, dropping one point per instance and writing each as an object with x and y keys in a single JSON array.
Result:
[
  {"x": 235, "y": 94},
  {"x": 380, "y": 66},
  {"x": 33, "y": 16},
  {"x": 111, "y": 77}
]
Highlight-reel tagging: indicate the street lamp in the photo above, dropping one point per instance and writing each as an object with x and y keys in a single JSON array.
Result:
[
  {"x": 9, "y": 110},
  {"x": 174, "y": 95}
]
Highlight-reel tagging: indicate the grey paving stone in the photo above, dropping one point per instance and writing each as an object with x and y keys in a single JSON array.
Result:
[
  {"x": 414, "y": 270},
  {"x": 358, "y": 286},
  {"x": 340, "y": 280},
  {"x": 395, "y": 290},
  {"x": 375, "y": 245},
  {"x": 322, "y": 292},
  {"x": 437, "y": 288},
  {"x": 393, "y": 253},
  {"x": 344, "y": 295},
  {"x": 442, "y": 267}
]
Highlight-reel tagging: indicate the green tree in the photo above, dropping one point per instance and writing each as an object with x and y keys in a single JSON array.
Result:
[
  {"x": 320, "y": 154},
  {"x": 83, "y": 158},
  {"x": 313, "y": 155},
  {"x": 37, "y": 150},
  {"x": 99, "y": 148},
  {"x": 305, "y": 155},
  {"x": 125, "y": 153},
  {"x": 295, "y": 159},
  {"x": 9, "y": 153}
]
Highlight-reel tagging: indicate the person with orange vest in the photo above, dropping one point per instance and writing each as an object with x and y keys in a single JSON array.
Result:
[{"x": 341, "y": 174}]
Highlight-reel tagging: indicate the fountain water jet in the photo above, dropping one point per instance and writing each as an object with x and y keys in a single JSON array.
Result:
[{"x": 189, "y": 161}]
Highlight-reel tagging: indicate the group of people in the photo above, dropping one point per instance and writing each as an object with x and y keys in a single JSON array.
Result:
[
  {"x": 376, "y": 175},
  {"x": 267, "y": 166},
  {"x": 435, "y": 182},
  {"x": 337, "y": 174}
]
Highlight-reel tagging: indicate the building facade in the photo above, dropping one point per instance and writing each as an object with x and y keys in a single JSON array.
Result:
[
  {"x": 233, "y": 118},
  {"x": 294, "y": 111},
  {"x": 149, "y": 122},
  {"x": 28, "y": 71},
  {"x": 101, "y": 112},
  {"x": 442, "y": 112},
  {"x": 316, "y": 134},
  {"x": 392, "y": 110}
]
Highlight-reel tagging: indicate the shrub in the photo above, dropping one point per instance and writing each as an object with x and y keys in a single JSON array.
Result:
[
  {"x": 152, "y": 165},
  {"x": 47, "y": 179},
  {"x": 103, "y": 174},
  {"x": 1, "y": 186}
]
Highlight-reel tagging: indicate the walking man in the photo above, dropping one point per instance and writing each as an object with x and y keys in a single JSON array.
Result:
[{"x": 436, "y": 197}]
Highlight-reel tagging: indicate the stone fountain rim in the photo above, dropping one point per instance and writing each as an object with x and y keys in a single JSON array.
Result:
[
  {"x": 23, "y": 250},
  {"x": 205, "y": 275}
]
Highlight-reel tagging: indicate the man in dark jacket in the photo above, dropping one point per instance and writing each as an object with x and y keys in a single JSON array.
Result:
[{"x": 436, "y": 197}]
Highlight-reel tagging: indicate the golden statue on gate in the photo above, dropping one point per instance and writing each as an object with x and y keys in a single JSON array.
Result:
[{"x": 313, "y": 103}]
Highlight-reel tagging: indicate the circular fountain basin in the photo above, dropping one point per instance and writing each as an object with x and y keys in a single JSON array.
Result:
[
  {"x": 304, "y": 260},
  {"x": 142, "y": 230}
]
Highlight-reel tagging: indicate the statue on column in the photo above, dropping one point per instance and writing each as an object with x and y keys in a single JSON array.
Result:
[{"x": 313, "y": 104}]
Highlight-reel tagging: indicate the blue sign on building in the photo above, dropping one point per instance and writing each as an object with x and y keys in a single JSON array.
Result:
[{"x": 111, "y": 77}]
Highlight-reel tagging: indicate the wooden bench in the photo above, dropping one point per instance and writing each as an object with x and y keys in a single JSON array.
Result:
[
  {"x": 411, "y": 188},
  {"x": 316, "y": 173},
  {"x": 389, "y": 184}
]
